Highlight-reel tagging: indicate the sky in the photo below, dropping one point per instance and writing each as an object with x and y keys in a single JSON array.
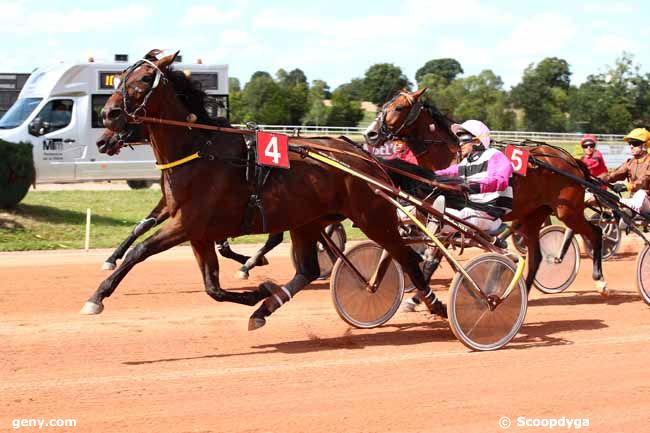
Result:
[{"x": 335, "y": 40}]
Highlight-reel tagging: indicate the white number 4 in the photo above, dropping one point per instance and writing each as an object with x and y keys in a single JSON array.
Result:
[
  {"x": 272, "y": 150},
  {"x": 515, "y": 158}
]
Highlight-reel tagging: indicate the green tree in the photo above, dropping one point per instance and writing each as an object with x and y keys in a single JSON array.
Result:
[
  {"x": 344, "y": 111},
  {"x": 613, "y": 101},
  {"x": 352, "y": 89},
  {"x": 234, "y": 85},
  {"x": 294, "y": 85},
  {"x": 543, "y": 95},
  {"x": 447, "y": 69},
  {"x": 264, "y": 101},
  {"x": 317, "y": 112},
  {"x": 382, "y": 81}
]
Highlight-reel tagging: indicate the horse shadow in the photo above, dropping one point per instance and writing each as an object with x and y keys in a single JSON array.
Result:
[
  {"x": 537, "y": 334},
  {"x": 541, "y": 334}
]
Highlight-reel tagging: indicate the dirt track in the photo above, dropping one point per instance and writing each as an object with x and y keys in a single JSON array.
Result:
[{"x": 164, "y": 357}]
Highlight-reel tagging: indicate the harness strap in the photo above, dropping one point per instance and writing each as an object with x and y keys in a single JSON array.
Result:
[{"x": 178, "y": 162}]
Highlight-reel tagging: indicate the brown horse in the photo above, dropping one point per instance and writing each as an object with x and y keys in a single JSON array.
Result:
[
  {"x": 208, "y": 197},
  {"x": 536, "y": 195},
  {"x": 111, "y": 143}
]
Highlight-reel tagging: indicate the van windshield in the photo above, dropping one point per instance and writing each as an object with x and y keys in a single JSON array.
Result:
[{"x": 18, "y": 112}]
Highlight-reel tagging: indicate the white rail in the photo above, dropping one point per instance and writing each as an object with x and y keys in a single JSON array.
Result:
[{"x": 513, "y": 135}]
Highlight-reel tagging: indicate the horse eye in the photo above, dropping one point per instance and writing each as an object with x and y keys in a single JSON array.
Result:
[
  {"x": 147, "y": 79},
  {"x": 399, "y": 108}
]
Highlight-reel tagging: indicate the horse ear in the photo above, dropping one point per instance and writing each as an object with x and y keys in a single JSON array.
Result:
[
  {"x": 419, "y": 93},
  {"x": 152, "y": 55},
  {"x": 167, "y": 60}
]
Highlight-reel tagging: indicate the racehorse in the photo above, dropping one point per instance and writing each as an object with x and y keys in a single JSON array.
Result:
[
  {"x": 536, "y": 195},
  {"x": 111, "y": 143},
  {"x": 207, "y": 194}
]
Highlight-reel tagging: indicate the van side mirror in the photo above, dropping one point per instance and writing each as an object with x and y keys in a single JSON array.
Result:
[{"x": 36, "y": 127}]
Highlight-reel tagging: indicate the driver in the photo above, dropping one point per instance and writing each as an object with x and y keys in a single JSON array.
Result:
[
  {"x": 485, "y": 175},
  {"x": 636, "y": 170}
]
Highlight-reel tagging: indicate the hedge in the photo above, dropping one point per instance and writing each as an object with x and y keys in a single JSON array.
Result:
[{"x": 17, "y": 172}]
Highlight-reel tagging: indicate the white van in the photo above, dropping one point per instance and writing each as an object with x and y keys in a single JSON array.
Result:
[{"x": 58, "y": 111}]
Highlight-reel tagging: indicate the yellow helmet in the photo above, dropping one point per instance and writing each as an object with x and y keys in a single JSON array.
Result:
[{"x": 640, "y": 134}]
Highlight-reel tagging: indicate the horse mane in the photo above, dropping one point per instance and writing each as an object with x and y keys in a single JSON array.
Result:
[
  {"x": 193, "y": 97},
  {"x": 439, "y": 116}
]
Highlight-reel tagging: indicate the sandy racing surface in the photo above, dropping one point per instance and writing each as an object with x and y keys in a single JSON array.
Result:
[{"x": 164, "y": 357}]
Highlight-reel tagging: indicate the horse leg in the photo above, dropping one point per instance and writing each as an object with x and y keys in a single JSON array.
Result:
[
  {"x": 224, "y": 249},
  {"x": 206, "y": 257},
  {"x": 530, "y": 227},
  {"x": 304, "y": 247},
  {"x": 155, "y": 217},
  {"x": 170, "y": 235},
  {"x": 574, "y": 218},
  {"x": 258, "y": 258}
]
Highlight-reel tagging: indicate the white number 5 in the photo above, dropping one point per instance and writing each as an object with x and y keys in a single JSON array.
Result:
[{"x": 515, "y": 159}]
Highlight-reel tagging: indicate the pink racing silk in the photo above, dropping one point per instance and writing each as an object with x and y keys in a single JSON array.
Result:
[{"x": 499, "y": 171}]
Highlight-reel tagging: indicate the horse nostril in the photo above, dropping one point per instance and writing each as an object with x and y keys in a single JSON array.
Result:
[{"x": 372, "y": 135}]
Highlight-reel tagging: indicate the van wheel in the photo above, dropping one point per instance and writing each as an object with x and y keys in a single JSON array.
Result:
[{"x": 139, "y": 184}]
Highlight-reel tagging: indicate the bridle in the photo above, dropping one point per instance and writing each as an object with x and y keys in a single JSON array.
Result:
[
  {"x": 415, "y": 107},
  {"x": 122, "y": 87}
]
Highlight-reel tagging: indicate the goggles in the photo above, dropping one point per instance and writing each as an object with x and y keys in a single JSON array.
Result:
[
  {"x": 635, "y": 143},
  {"x": 466, "y": 138},
  {"x": 587, "y": 144}
]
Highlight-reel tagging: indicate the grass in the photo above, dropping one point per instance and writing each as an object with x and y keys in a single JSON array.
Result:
[{"x": 56, "y": 220}]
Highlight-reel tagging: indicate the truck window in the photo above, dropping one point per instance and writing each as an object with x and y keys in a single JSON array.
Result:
[
  {"x": 55, "y": 115},
  {"x": 18, "y": 112},
  {"x": 98, "y": 102}
]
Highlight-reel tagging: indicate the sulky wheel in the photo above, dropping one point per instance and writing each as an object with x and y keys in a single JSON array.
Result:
[
  {"x": 643, "y": 273},
  {"x": 474, "y": 323},
  {"x": 325, "y": 260},
  {"x": 357, "y": 305},
  {"x": 611, "y": 234},
  {"x": 555, "y": 274}
]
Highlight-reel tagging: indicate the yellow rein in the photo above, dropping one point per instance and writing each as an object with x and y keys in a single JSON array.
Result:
[{"x": 178, "y": 162}]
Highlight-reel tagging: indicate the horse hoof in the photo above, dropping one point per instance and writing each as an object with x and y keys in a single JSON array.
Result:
[
  {"x": 91, "y": 308},
  {"x": 256, "y": 323},
  {"x": 241, "y": 275},
  {"x": 601, "y": 286},
  {"x": 108, "y": 266},
  {"x": 263, "y": 261}
]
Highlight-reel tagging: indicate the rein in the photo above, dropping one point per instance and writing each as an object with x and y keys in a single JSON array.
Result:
[{"x": 197, "y": 155}]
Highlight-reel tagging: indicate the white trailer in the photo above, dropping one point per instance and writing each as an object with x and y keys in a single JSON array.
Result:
[{"x": 58, "y": 111}]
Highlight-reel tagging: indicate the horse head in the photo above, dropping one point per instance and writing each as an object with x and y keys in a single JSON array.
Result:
[
  {"x": 139, "y": 91},
  {"x": 421, "y": 126}
]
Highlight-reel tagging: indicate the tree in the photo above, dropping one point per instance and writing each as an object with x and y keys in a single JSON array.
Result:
[
  {"x": 613, "y": 101},
  {"x": 259, "y": 74},
  {"x": 543, "y": 95},
  {"x": 344, "y": 111},
  {"x": 264, "y": 101},
  {"x": 294, "y": 85},
  {"x": 382, "y": 81},
  {"x": 352, "y": 89},
  {"x": 234, "y": 85},
  {"x": 447, "y": 69},
  {"x": 317, "y": 112}
]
